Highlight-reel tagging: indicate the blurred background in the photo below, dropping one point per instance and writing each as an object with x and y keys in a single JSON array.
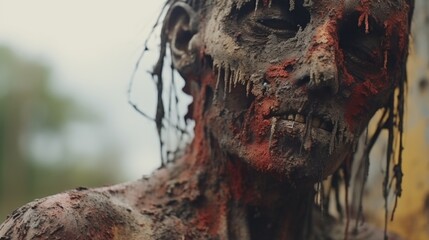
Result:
[{"x": 65, "y": 121}]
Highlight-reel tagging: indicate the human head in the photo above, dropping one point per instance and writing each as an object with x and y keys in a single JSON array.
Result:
[{"x": 289, "y": 86}]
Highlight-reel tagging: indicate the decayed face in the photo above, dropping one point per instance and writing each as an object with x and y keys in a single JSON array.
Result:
[{"x": 295, "y": 83}]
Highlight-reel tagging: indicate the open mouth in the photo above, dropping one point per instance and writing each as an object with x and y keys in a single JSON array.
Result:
[{"x": 321, "y": 122}]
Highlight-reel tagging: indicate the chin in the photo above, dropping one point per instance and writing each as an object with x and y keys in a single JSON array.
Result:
[{"x": 288, "y": 160}]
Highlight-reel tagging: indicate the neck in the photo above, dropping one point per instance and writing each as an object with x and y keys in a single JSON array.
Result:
[
  {"x": 259, "y": 206},
  {"x": 238, "y": 201}
]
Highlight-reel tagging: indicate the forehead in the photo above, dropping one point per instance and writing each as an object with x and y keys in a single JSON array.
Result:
[{"x": 380, "y": 10}]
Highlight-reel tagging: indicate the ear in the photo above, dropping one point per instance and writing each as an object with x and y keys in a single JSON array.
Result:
[{"x": 182, "y": 31}]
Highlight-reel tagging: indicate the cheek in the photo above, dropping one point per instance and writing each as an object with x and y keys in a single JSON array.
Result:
[
  {"x": 255, "y": 135},
  {"x": 365, "y": 99},
  {"x": 257, "y": 123},
  {"x": 281, "y": 70}
]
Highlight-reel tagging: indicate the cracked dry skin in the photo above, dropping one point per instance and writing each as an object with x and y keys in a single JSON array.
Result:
[
  {"x": 282, "y": 90},
  {"x": 174, "y": 203},
  {"x": 316, "y": 75}
]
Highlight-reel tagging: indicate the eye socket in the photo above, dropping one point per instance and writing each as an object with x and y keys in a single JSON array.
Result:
[
  {"x": 360, "y": 60},
  {"x": 278, "y": 24},
  {"x": 363, "y": 51},
  {"x": 361, "y": 54},
  {"x": 275, "y": 19}
]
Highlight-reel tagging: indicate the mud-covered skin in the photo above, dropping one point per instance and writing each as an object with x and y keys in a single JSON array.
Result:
[
  {"x": 156, "y": 208},
  {"x": 250, "y": 170},
  {"x": 168, "y": 205},
  {"x": 76, "y": 214},
  {"x": 333, "y": 62}
]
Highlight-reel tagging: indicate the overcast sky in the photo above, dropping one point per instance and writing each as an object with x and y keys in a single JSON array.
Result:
[{"x": 91, "y": 47}]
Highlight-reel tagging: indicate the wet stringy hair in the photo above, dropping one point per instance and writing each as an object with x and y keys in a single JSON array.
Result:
[{"x": 391, "y": 121}]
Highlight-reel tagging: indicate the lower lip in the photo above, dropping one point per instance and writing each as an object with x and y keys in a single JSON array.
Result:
[{"x": 296, "y": 129}]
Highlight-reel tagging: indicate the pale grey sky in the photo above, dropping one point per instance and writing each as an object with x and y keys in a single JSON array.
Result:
[{"x": 91, "y": 47}]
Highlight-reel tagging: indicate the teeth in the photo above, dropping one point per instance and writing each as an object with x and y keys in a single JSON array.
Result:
[
  {"x": 316, "y": 123},
  {"x": 299, "y": 118}
]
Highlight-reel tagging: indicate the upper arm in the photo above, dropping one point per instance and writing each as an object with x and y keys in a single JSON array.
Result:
[{"x": 75, "y": 215}]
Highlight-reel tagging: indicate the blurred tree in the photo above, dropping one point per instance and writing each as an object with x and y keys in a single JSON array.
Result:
[{"x": 29, "y": 109}]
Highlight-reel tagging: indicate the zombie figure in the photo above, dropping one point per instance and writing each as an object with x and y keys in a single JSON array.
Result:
[{"x": 281, "y": 91}]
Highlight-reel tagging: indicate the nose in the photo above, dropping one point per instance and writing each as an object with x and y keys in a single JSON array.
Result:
[{"x": 321, "y": 60}]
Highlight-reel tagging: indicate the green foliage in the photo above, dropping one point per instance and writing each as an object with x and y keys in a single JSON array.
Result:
[{"x": 29, "y": 108}]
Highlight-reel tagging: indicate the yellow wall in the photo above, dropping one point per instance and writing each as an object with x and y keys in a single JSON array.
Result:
[{"x": 412, "y": 216}]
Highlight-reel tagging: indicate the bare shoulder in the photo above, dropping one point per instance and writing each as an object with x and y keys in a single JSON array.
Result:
[
  {"x": 126, "y": 211},
  {"x": 76, "y": 214}
]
